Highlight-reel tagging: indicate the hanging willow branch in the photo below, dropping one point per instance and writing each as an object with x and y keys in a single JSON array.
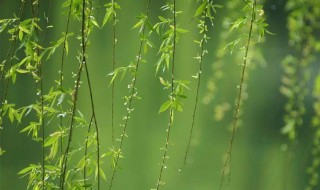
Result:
[
  {"x": 35, "y": 9},
  {"x": 61, "y": 71},
  {"x": 8, "y": 61},
  {"x": 204, "y": 10},
  {"x": 133, "y": 93},
  {"x": 75, "y": 95},
  {"x": 171, "y": 110},
  {"x": 239, "y": 99},
  {"x": 93, "y": 118},
  {"x": 111, "y": 12}
]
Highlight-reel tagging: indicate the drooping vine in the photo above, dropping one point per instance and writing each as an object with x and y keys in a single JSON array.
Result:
[
  {"x": 39, "y": 81},
  {"x": 91, "y": 20},
  {"x": 65, "y": 49},
  {"x": 75, "y": 94},
  {"x": 6, "y": 65},
  {"x": 133, "y": 68},
  {"x": 302, "y": 26},
  {"x": 254, "y": 20},
  {"x": 54, "y": 116},
  {"x": 237, "y": 109},
  {"x": 313, "y": 169},
  {"x": 302, "y": 22},
  {"x": 169, "y": 32},
  {"x": 204, "y": 12},
  {"x": 111, "y": 12}
]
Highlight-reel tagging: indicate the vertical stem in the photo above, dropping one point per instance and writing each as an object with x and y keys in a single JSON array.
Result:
[
  {"x": 113, "y": 68},
  {"x": 93, "y": 117},
  {"x": 237, "y": 110},
  {"x": 133, "y": 91},
  {"x": 42, "y": 97},
  {"x": 35, "y": 10},
  {"x": 62, "y": 68},
  {"x": 9, "y": 58},
  {"x": 198, "y": 89},
  {"x": 171, "y": 112},
  {"x": 75, "y": 96}
]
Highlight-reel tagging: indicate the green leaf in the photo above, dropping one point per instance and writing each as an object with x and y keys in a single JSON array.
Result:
[
  {"x": 162, "y": 19},
  {"x": 102, "y": 174},
  {"x": 52, "y": 139},
  {"x": 107, "y": 16},
  {"x": 179, "y": 30},
  {"x": 178, "y": 106},
  {"x": 94, "y": 22},
  {"x": 11, "y": 114},
  {"x": 200, "y": 9},
  {"x": 165, "y": 106},
  {"x": 22, "y": 71},
  {"x": 238, "y": 24},
  {"x": 26, "y": 170},
  {"x": 20, "y": 35},
  {"x": 2, "y": 151},
  {"x": 138, "y": 24}
]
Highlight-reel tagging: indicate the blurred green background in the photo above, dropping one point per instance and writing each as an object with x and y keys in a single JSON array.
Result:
[{"x": 260, "y": 158}]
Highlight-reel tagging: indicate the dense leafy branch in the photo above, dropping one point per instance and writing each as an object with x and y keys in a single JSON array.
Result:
[{"x": 167, "y": 58}]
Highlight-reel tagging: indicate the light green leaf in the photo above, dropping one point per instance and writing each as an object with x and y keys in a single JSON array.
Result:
[
  {"x": 102, "y": 174},
  {"x": 162, "y": 19},
  {"x": 138, "y": 24},
  {"x": 11, "y": 114},
  {"x": 200, "y": 9},
  {"x": 179, "y": 30},
  {"x": 94, "y": 22},
  {"x": 165, "y": 106},
  {"x": 26, "y": 170},
  {"x": 22, "y": 71},
  {"x": 52, "y": 139}
]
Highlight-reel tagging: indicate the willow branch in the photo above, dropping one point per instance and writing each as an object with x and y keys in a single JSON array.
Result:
[{"x": 240, "y": 92}]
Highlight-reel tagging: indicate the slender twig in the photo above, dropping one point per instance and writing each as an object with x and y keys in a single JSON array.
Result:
[
  {"x": 92, "y": 110},
  {"x": 198, "y": 88},
  {"x": 62, "y": 67},
  {"x": 61, "y": 88},
  {"x": 42, "y": 96},
  {"x": 114, "y": 39},
  {"x": 9, "y": 57},
  {"x": 35, "y": 12},
  {"x": 133, "y": 92},
  {"x": 171, "y": 112},
  {"x": 240, "y": 92},
  {"x": 75, "y": 96}
]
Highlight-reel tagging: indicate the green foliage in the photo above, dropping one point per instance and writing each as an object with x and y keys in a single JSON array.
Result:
[
  {"x": 301, "y": 24},
  {"x": 111, "y": 10},
  {"x": 168, "y": 33},
  {"x": 176, "y": 97},
  {"x": 56, "y": 113},
  {"x": 202, "y": 14},
  {"x": 249, "y": 29}
]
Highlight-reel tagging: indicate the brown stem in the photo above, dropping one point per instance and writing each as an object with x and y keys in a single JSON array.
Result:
[{"x": 237, "y": 110}]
